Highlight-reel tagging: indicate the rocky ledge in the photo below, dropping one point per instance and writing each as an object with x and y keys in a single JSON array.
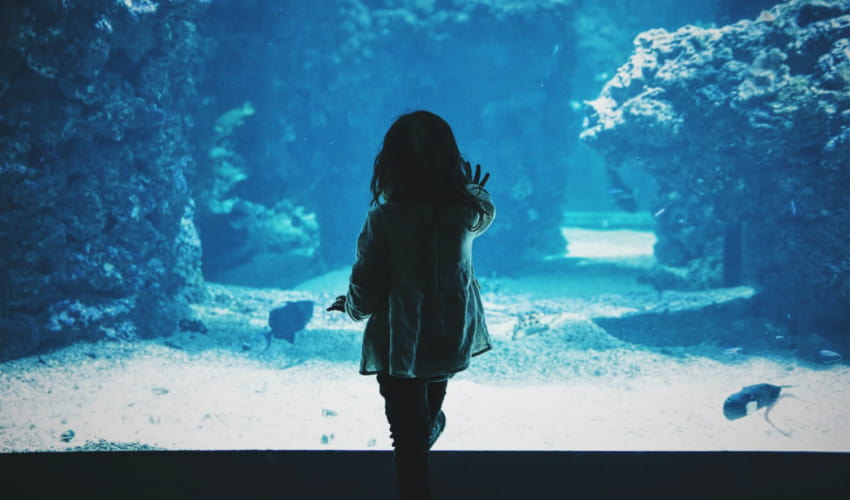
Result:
[{"x": 745, "y": 130}]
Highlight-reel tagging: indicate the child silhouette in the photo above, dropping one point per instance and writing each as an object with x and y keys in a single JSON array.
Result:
[{"x": 413, "y": 279}]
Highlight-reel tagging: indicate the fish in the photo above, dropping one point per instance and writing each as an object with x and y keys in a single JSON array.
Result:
[
  {"x": 67, "y": 436},
  {"x": 288, "y": 319},
  {"x": 828, "y": 357},
  {"x": 752, "y": 398},
  {"x": 621, "y": 193}
]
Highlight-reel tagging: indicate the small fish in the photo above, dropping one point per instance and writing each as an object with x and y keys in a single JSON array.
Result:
[
  {"x": 67, "y": 436},
  {"x": 793, "y": 208},
  {"x": 621, "y": 193},
  {"x": 659, "y": 212},
  {"x": 286, "y": 320},
  {"x": 752, "y": 398},
  {"x": 828, "y": 357}
]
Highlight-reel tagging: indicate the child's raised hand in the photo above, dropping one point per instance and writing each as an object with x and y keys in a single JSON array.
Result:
[
  {"x": 338, "y": 305},
  {"x": 474, "y": 179}
]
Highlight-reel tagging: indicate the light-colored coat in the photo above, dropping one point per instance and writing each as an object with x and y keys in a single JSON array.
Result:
[{"x": 413, "y": 278}]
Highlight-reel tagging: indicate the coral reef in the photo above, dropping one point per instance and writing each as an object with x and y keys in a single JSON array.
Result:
[
  {"x": 243, "y": 236},
  {"x": 96, "y": 218},
  {"x": 730, "y": 11},
  {"x": 744, "y": 128}
]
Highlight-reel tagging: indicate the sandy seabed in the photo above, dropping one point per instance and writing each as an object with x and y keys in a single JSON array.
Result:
[{"x": 568, "y": 386}]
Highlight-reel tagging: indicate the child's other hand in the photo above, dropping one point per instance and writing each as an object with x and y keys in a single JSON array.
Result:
[
  {"x": 338, "y": 305},
  {"x": 474, "y": 179}
]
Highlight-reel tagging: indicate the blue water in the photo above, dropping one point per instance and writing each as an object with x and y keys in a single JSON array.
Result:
[
  {"x": 326, "y": 83},
  {"x": 288, "y": 105}
]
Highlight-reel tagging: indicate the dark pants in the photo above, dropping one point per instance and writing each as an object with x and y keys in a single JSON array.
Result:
[{"x": 411, "y": 406}]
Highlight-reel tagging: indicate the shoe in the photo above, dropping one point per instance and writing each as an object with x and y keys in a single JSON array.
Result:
[{"x": 437, "y": 428}]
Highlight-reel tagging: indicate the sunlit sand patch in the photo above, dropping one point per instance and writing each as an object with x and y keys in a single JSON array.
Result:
[{"x": 606, "y": 244}]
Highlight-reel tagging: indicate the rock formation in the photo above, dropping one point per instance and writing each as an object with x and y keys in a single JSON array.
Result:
[
  {"x": 327, "y": 83},
  {"x": 95, "y": 213},
  {"x": 745, "y": 130}
]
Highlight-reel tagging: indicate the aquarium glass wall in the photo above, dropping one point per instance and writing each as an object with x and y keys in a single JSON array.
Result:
[{"x": 183, "y": 184}]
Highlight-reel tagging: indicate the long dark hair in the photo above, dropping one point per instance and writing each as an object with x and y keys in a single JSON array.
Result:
[{"x": 420, "y": 161}]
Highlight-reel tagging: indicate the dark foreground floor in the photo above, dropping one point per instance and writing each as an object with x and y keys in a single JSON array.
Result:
[{"x": 455, "y": 475}]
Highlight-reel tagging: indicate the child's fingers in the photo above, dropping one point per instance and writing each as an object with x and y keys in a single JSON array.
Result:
[
  {"x": 338, "y": 305},
  {"x": 484, "y": 180}
]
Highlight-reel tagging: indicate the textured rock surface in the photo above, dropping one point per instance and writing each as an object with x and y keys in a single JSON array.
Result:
[
  {"x": 746, "y": 131},
  {"x": 95, "y": 214}
]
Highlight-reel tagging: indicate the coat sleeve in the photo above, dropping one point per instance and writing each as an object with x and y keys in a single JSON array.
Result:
[
  {"x": 486, "y": 202},
  {"x": 369, "y": 282}
]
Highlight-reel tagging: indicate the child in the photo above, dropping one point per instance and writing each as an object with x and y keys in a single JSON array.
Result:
[{"x": 413, "y": 279}]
